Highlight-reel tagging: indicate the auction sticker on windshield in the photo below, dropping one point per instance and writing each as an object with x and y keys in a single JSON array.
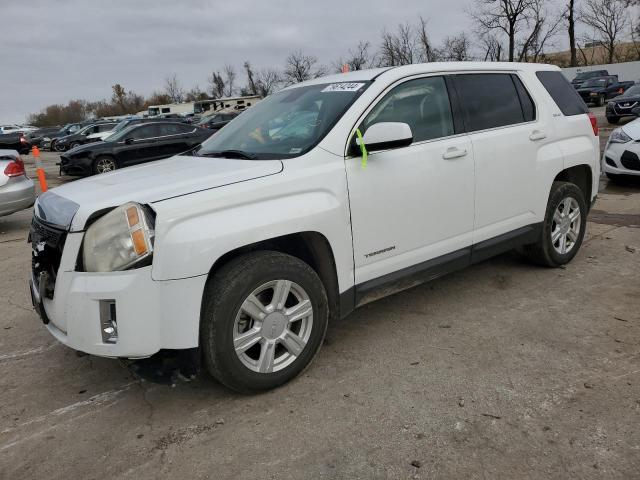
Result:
[{"x": 343, "y": 87}]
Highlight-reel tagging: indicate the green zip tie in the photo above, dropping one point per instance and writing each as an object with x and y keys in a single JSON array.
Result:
[{"x": 363, "y": 149}]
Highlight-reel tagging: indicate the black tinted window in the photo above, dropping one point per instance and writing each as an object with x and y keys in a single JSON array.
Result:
[
  {"x": 147, "y": 131},
  {"x": 563, "y": 93},
  {"x": 170, "y": 129},
  {"x": 528, "y": 108},
  {"x": 422, "y": 103},
  {"x": 489, "y": 100}
]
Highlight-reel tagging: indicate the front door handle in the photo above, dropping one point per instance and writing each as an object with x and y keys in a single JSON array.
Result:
[
  {"x": 537, "y": 135},
  {"x": 454, "y": 152}
]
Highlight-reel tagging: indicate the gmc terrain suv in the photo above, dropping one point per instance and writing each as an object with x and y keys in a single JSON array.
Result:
[{"x": 324, "y": 196}]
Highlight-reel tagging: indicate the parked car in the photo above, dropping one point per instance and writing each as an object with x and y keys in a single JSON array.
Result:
[
  {"x": 17, "y": 191},
  {"x": 131, "y": 121},
  {"x": 4, "y": 129},
  {"x": 49, "y": 141},
  {"x": 218, "y": 120},
  {"x": 15, "y": 141},
  {"x": 138, "y": 143},
  {"x": 324, "y": 196},
  {"x": 81, "y": 137},
  {"x": 582, "y": 77},
  {"x": 622, "y": 152},
  {"x": 37, "y": 137},
  {"x": 625, "y": 105},
  {"x": 599, "y": 90}
]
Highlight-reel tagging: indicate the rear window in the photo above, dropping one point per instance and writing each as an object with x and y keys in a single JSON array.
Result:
[
  {"x": 489, "y": 100},
  {"x": 563, "y": 93}
]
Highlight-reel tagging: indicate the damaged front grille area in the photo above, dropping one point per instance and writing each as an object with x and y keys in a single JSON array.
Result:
[{"x": 47, "y": 244}]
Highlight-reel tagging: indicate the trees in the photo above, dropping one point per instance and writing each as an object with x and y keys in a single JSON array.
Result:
[
  {"x": 300, "y": 67},
  {"x": 173, "y": 89},
  {"x": 608, "y": 19},
  {"x": 570, "y": 16},
  {"x": 263, "y": 83},
  {"x": 455, "y": 48},
  {"x": 357, "y": 59},
  {"x": 222, "y": 84}
]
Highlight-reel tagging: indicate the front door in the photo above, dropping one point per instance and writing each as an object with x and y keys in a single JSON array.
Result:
[
  {"x": 141, "y": 145},
  {"x": 412, "y": 204}
]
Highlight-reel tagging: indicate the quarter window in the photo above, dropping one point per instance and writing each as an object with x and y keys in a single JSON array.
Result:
[
  {"x": 489, "y": 100},
  {"x": 568, "y": 100},
  {"x": 422, "y": 103}
]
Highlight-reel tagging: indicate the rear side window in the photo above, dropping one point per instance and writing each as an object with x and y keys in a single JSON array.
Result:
[
  {"x": 563, "y": 93},
  {"x": 528, "y": 108},
  {"x": 489, "y": 100}
]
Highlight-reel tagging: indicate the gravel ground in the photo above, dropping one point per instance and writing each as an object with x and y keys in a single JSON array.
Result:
[{"x": 504, "y": 370}]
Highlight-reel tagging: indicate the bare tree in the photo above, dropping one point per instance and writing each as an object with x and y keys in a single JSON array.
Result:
[
  {"x": 491, "y": 47},
  {"x": 455, "y": 48},
  {"x": 427, "y": 52},
  {"x": 507, "y": 16},
  {"x": 263, "y": 82},
  {"x": 542, "y": 27},
  {"x": 230, "y": 74},
  {"x": 357, "y": 59},
  {"x": 609, "y": 19},
  {"x": 173, "y": 88},
  {"x": 399, "y": 47},
  {"x": 299, "y": 67},
  {"x": 570, "y": 16},
  {"x": 216, "y": 85}
]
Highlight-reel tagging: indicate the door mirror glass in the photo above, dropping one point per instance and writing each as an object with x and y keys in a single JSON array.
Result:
[
  {"x": 386, "y": 135},
  {"x": 128, "y": 141}
]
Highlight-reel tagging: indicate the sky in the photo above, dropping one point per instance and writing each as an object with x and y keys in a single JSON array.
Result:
[{"x": 53, "y": 51}]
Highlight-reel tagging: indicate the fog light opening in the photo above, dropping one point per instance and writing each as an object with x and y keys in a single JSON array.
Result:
[{"x": 108, "y": 322}]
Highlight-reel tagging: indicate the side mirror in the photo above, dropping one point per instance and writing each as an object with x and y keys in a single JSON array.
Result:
[
  {"x": 128, "y": 141},
  {"x": 387, "y": 135}
]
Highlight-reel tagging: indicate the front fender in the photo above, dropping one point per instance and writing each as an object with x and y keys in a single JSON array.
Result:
[{"x": 195, "y": 230}]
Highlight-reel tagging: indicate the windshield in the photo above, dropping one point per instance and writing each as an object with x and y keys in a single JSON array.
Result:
[
  {"x": 596, "y": 82},
  {"x": 632, "y": 91},
  {"x": 286, "y": 124}
]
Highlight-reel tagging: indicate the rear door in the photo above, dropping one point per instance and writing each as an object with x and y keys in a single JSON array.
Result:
[
  {"x": 506, "y": 133},
  {"x": 174, "y": 139}
]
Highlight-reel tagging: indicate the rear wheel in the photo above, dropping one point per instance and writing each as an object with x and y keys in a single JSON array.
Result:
[
  {"x": 613, "y": 120},
  {"x": 104, "y": 164},
  {"x": 58, "y": 147},
  {"x": 563, "y": 227},
  {"x": 73, "y": 145},
  {"x": 264, "y": 316}
]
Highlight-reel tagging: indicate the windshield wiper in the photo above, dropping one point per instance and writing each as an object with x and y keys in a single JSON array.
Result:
[{"x": 230, "y": 154}]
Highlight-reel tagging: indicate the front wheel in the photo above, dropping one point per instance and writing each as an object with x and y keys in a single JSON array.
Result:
[
  {"x": 104, "y": 165},
  {"x": 600, "y": 101},
  {"x": 563, "y": 227},
  {"x": 264, "y": 317}
]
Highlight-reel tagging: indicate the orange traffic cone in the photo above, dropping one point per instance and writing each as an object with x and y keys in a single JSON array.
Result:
[{"x": 35, "y": 151}]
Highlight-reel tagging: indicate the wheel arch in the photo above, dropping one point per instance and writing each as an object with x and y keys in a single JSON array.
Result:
[
  {"x": 580, "y": 175},
  {"x": 311, "y": 247}
]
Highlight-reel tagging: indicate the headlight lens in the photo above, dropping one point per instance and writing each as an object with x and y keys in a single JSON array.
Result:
[
  {"x": 618, "y": 136},
  {"x": 120, "y": 240},
  {"x": 593, "y": 94}
]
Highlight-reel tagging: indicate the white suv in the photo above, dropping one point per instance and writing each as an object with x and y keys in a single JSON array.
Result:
[{"x": 324, "y": 196}]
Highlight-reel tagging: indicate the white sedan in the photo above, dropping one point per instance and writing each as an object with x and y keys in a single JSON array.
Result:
[{"x": 622, "y": 153}]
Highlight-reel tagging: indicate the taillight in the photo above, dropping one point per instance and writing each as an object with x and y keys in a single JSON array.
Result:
[
  {"x": 23, "y": 140},
  {"x": 594, "y": 123},
  {"x": 14, "y": 169}
]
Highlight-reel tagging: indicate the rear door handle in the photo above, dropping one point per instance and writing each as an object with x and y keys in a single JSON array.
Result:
[
  {"x": 537, "y": 135},
  {"x": 454, "y": 152}
]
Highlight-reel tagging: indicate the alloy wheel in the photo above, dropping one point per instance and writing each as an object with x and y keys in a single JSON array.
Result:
[
  {"x": 105, "y": 165},
  {"x": 273, "y": 326},
  {"x": 566, "y": 225}
]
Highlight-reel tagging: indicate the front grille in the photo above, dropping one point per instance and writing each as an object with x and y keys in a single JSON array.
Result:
[
  {"x": 630, "y": 160},
  {"x": 47, "y": 244}
]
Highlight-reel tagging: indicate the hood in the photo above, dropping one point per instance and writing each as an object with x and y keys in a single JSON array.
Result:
[
  {"x": 632, "y": 129},
  {"x": 622, "y": 98},
  {"x": 153, "y": 182}
]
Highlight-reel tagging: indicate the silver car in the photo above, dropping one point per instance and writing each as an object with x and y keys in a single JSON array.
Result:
[{"x": 17, "y": 191}]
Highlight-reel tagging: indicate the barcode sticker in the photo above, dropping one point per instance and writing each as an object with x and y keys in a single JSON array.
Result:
[{"x": 343, "y": 87}]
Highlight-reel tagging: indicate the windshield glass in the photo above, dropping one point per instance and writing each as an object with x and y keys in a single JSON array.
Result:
[
  {"x": 632, "y": 91},
  {"x": 286, "y": 124},
  {"x": 596, "y": 82}
]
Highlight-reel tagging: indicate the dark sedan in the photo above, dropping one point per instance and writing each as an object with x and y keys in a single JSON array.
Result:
[
  {"x": 37, "y": 138},
  {"x": 218, "y": 120},
  {"x": 139, "y": 143},
  {"x": 79, "y": 137},
  {"x": 625, "y": 105},
  {"x": 15, "y": 141}
]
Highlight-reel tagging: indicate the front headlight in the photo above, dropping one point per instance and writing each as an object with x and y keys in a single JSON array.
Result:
[
  {"x": 593, "y": 94},
  {"x": 618, "y": 136},
  {"x": 120, "y": 240}
]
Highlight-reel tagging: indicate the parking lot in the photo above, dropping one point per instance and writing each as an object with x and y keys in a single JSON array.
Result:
[{"x": 501, "y": 370}]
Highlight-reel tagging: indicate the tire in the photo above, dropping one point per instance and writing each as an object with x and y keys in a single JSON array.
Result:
[
  {"x": 223, "y": 321},
  {"x": 52, "y": 146},
  {"x": 73, "y": 145},
  {"x": 58, "y": 148},
  {"x": 600, "y": 101},
  {"x": 104, "y": 164},
  {"x": 545, "y": 251},
  {"x": 613, "y": 120}
]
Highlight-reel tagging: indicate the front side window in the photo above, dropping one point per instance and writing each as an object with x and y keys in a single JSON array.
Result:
[
  {"x": 489, "y": 100},
  {"x": 286, "y": 124},
  {"x": 422, "y": 103}
]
